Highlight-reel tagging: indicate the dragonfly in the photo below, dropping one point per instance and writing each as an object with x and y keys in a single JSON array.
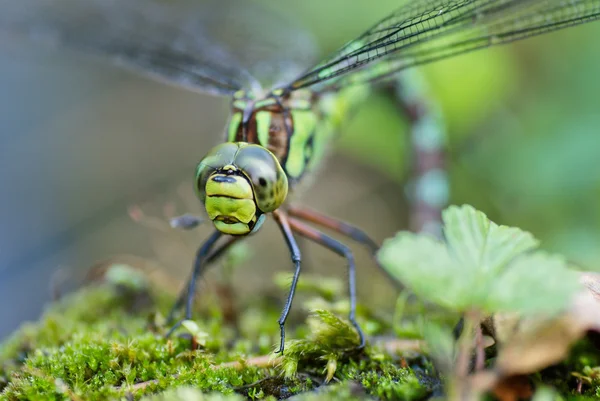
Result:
[{"x": 278, "y": 129}]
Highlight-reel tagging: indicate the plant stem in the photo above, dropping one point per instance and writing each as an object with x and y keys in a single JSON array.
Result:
[
  {"x": 479, "y": 351},
  {"x": 458, "y": 389}
]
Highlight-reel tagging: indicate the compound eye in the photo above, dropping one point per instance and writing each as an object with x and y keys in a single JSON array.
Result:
[
  {"x": 266, "y": 175},
  {"x": 218, "y": 157}
]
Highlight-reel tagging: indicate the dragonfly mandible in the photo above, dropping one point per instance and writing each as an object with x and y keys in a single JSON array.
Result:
[{"x": 277, "y": 134}]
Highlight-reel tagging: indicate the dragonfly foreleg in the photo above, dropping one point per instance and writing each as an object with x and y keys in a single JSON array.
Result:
[
  {"x": 216, "y": 254},
  {"x": 286, "y": 230},
  {"x": 187, "y": 294},
  {"x": 186, "y": 221},
  {"x": 342, "y": 250},
  {"x": 338, "y": 226}
]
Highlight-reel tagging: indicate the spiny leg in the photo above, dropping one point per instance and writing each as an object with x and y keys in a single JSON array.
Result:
[
  {"x": 343, "y": 228},
  {"x": 188, "y": 295},
  {"x": 338, "y": 226},
  {"x": 342, "y": 250},
  {"x": 216, "y": 254},
  {"x": 286, "y": 230}
]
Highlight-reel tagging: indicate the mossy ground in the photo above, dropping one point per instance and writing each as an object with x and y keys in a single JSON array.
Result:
[{"x": 107, "y": 342}]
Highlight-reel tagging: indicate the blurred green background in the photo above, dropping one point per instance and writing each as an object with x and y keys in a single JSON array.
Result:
[{"x": 81, "y": 141}]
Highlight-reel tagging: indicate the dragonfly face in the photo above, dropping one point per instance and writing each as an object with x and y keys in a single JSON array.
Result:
[{"x": 239, "y": 183}]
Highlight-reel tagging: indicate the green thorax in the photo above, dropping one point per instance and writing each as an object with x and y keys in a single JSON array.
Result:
[{"x": 295, "y": 127}]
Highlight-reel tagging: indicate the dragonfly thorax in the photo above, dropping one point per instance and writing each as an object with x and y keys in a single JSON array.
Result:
[{"x": 283, "y": 124}]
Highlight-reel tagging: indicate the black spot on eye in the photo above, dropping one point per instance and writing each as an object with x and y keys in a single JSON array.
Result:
[{"x": 262, "y": 182}]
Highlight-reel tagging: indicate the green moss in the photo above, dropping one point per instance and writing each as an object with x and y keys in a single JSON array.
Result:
[
  {"x": 581, "y": 368},
  {"x": 331, "y": 350},
  {"x": 331, "y": 339},
  {"x": 107, "y": 342}
]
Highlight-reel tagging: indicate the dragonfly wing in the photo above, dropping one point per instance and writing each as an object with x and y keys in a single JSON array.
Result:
[
  {"x": 274, "y": 47},
  {"x": 205, "y": 46},
  {"x": 428, "y": 30}
]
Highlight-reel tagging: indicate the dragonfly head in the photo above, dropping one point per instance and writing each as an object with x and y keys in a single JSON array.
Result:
[{"x": 239, "y": 183}]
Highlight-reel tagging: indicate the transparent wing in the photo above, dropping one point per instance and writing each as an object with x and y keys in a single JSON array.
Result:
[
  {"x": 428, "y": 30},
  {"x": 211, "y": 46}
]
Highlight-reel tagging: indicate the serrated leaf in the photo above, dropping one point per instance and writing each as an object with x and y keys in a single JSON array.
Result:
[
  {"x": 423, "y": 264},
  {"x": 481, "y": 266},
  {"x": 480, "y": 244},
  {"x": 534, "y": 283}
]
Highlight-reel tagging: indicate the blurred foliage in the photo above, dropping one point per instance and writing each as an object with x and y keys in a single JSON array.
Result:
[
  {"x": 522, "y": 126},
  {"x": 531, "y": 303},
  {"x": 480, "y": 266}
]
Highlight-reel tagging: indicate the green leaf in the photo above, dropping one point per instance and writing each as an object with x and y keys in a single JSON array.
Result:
[
  {"x": 546, "y": 393},
  {"x": 481, "y": 245},
  {"x": 192, "y": 327},
  {"x": 481, "y": 266},
  {"x": 126, "y": 276},
  {"x": 423, "y": 264},
  {"x": 534, "y": 283}
]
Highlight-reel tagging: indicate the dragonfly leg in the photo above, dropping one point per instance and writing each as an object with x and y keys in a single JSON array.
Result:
[
  {"x": 210, "y": 259},
  {"x": 186, "y": 221},
  {"x": 187, "y": 294},
  {"x": 343, "y": 228},
  {"x": 342, "y": 250},
  {"x": 286, "y": 230},
  {"x": 338, "y": 226}
]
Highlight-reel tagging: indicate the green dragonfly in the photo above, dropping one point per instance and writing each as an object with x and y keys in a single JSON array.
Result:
[{"x": 280, "y": 124}]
